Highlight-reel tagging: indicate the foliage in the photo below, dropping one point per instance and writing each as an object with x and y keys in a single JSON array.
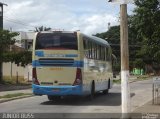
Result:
[
  {"x": 143, "y": 35},
  {"x": 23, "y": 58},
  {"x": 6, "y": 39},
  {"x": 42, "y": 28},
  {"x": 146, "y": 23},
  {"x": 20, "y": 58},
  {"x": 138, "y": 63}
]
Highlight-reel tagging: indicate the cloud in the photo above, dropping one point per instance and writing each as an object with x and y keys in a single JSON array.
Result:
[{"x": 88, "y": 16}]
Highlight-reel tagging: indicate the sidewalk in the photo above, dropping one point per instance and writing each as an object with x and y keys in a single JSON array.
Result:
[
  {"x": 15, "y": 91},
  {"x": 15, "y": 94},
  {"x": 148, "y": 108}
]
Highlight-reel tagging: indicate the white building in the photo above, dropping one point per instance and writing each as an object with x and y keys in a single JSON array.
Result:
[{"x": 25, "y": 40}]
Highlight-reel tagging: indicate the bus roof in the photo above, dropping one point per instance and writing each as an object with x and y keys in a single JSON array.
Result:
[
  {"x": 97, "y": 40},
  {"x": 56, "y": 31},
  {"x": 92, "y": 38}
]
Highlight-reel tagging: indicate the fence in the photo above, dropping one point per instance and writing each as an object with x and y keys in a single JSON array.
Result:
[{"x": 156, "y": 90}]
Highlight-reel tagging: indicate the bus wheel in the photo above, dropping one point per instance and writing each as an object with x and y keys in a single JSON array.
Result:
[
  {"x": 105, "y": 91},
  {"x": 51, "y": 98},
  {"x": 92, "y": 91}
]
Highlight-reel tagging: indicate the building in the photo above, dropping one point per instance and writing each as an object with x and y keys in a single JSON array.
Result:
[{"x": 24, "y": 40}]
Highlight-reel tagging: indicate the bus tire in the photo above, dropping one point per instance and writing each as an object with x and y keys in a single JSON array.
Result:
[
  {"x": 105, "y": 91},
  {"x": 108, "y": 87},
  {"x": 91, "y": 96},
  {"x": 53, "y": 98}
]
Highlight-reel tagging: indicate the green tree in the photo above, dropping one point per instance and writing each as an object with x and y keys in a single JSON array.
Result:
[
  {"x": 21, "y": 58},
  {"x": 6, "y": 39},
  {"x": 42, "y": 28},
  {"x": 146, "y": 23}
]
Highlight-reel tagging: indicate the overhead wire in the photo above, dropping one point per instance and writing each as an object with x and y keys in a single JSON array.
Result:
[{"x": 18, "y": 21}]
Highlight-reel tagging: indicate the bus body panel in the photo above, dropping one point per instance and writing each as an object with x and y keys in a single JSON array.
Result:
[{"x": 57, "y": 90}]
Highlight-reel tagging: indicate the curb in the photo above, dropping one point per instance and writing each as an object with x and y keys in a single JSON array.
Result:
[
  {"x": 133, "y": 81},
  {"x": 14, "y": 98}
]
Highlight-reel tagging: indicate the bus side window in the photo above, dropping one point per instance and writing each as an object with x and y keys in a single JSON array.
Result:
[
  {"x": 99, "y": 52},
  {"x": 85, "y": 45},
  {"x": 96, "y": 51},
  {"x": 90, "y": 50},
  {"x": 106, "y": 54}
]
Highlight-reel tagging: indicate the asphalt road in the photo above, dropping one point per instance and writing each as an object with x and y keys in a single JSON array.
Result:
[{"x": 110, "y": 103}]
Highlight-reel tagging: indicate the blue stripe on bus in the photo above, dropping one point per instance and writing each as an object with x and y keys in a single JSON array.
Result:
[
  {"x": 56, "y": 61},
  {"x": 41, "y": 54},
  {"x": 71, "y": 55},
  {"x": 59, "y": 90},
  {"x": 37, "y": 63}
]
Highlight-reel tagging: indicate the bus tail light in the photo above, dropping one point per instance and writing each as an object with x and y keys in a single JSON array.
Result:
[
  {"x": 78, "y": 79},
  {"x": 34, "y": 76}
]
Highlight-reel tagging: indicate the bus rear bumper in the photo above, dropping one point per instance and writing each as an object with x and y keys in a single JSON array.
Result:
[{"x": 57, "y": 90}]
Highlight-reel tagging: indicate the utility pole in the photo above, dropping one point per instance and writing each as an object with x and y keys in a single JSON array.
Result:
[
  {"x": 1, "y": 14},
  {"x": 11, "y": 61},
  {"x": 1, "y": 27},
  {"x": 125, "y": 89}
]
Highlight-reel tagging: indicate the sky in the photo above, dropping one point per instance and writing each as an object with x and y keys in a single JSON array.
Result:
[{"x": 88, "y": 16}]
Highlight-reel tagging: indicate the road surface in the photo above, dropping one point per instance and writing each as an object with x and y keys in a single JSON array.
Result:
[{"x": 141, "y": 92}]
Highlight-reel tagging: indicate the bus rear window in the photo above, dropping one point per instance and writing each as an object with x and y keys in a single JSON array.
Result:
[{"x": 59, "y": 41}]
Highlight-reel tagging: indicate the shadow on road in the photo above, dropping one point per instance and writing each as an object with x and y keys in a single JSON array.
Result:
[{"x": 111, "y": 99}]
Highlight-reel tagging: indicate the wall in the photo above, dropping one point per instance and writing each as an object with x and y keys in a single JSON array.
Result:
[{"x": 26, "y": 72}]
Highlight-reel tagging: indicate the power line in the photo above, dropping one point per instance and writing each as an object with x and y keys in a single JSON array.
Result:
[{"x": 18, "y": 22}]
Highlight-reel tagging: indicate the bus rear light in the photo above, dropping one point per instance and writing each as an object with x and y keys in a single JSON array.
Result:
[
  {"x": 78, "y": 79},
  {"x": 34, "y": 76}
]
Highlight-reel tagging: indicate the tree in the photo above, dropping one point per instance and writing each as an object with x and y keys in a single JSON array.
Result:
[
  {"x": 21, "y": 58},
  {"x": 146, "y": 23},
  {"x": 6, "y": 39},
  {"x": 42, "y": 28},
  {"x": 113, "y": 37}
]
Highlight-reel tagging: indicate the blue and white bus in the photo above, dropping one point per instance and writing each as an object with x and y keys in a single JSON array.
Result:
[{"x": 70, "y": 63}]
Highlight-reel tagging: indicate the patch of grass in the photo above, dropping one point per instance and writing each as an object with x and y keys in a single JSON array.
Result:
[
  {"x": 14, "y": 95},
  {"x": 117, "y": 81},
  {"x": 142, "y": 77},
  {"x": 8, "y": 80}
]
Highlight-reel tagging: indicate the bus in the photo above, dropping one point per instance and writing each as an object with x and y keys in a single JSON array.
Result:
[{"x": 70, "y": 63}]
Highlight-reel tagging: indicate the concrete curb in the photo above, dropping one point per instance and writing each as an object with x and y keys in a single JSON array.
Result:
[
  {"x": 133, "y": 81},
  {"x": 14, "y": 98}
]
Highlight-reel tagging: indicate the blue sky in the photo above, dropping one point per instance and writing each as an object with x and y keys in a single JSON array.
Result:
[{"x": 88, "y": 16}]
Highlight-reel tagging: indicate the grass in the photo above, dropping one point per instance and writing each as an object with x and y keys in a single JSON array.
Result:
[
  {"x": 117, "y": 81},
  {"x": 14, "y": 95},
  {"x": 7, "y": 80},
  {"x": 137, "y": 78},
  {"x": 142, "y": 77}
]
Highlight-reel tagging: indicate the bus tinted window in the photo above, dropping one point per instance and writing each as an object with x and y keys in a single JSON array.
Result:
[{"x": 56, "y": 41}]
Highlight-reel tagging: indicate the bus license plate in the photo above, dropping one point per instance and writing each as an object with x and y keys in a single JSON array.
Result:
[{"x": 56, "y": 90}]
